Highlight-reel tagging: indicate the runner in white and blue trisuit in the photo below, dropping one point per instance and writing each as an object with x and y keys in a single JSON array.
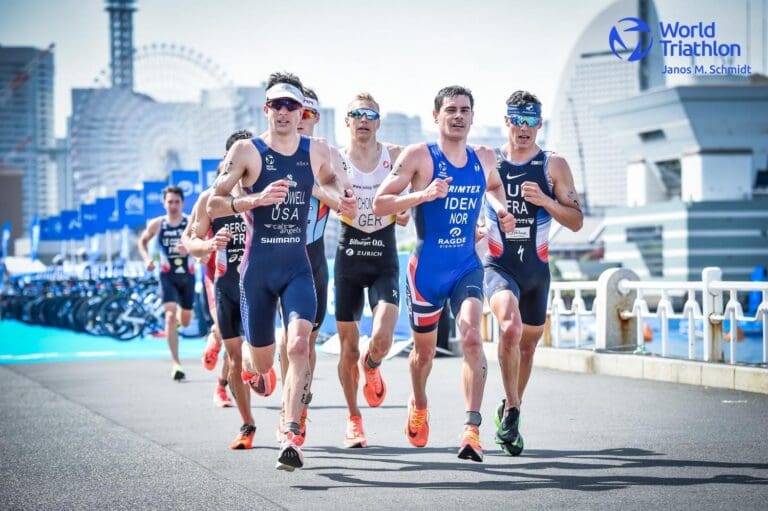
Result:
[
  {"x": 366, "y": 260},
  {"x": 277, "y": 171},
  {"x": 448, "y": 180},
  {"x": 539, "y": 187},
  {"x": 177, "y": 271}
]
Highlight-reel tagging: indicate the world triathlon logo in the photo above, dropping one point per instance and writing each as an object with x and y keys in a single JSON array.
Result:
[{"x": 617, "y": 43}]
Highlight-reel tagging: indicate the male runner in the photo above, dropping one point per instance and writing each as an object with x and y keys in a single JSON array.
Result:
[
  {"x": 177, "y": 272},
  {"x": 539, "y": 187},
  {"x": 319, "y": 211},
  {"x": 447, "y": 180},
  {"x": 225, "y": 246},
  {"x": 366, "y": 258},
  {"x": 277, "y": 171}
]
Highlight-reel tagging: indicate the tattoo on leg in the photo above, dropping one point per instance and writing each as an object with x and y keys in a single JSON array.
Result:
[{"x": 485, "y": 371}]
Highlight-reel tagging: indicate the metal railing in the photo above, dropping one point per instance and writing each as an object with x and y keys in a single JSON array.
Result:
[{"x": 623, "y": 303}]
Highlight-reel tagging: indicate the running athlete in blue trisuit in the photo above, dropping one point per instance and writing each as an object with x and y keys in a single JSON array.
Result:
[
  {"x": 319, "y": 211},
  {"x": 539, "y": 187},
  {"x": 226, "y": 246},
  {"x": 447, "y": 179},
  {"x": 277, "y": 171},
  {"x": 366, "y": 259},
  {"x": 177, "y": 271}
]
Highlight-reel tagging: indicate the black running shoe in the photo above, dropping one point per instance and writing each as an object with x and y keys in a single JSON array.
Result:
[
  {"x": 178, "y": 373},
  {"x": 508, "y": 429}
]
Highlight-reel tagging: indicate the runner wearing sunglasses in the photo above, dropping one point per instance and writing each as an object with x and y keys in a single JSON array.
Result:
[
  {"x": 447, "y": 179},
  {"x": 277, "y": 170},
  {"x": 366, "y": 258},
  {"x": 539, "y": 187},
  {"x": 319, "y": 211}
]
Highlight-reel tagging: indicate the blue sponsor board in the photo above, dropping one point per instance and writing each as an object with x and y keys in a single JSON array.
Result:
[
  {"x": 89, "y": 219},
  {"x": 130, "y": 208},
  {"x": 189, "y": 182},
  {"x": 153, "y": 199},
  {"x": 106, "y": 215},
  {"x": 72, "y": 229},
  {"x": 208, "y": 172}
]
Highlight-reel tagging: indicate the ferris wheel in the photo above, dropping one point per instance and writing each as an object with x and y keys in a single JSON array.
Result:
[{"x": 182, "y": 108}]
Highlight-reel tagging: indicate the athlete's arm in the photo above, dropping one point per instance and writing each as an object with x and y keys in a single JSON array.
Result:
[
  {"x": 197, "y": 230},
  {"x": 411, "y": 168},
  {"x": 321, "y": 193},
  {"x": 403, "y": 216},
  {"x": 331, "y": 178},
  {"x": 565, "y": 207},
  {"x": 150, "y": 232},
  {"x": 494, "y": 189},
  {"x": 243, "y": 160}
]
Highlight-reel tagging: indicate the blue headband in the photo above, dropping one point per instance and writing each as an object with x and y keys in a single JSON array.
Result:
[{"x": 529, "y": 109}]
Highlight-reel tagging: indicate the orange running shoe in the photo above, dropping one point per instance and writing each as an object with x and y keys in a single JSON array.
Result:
[
  {"x": 261, "y": 386},
  {"x": 355, "y": 436},
  {"x": 374, "y": 390},
  {"x": 290, "y": 457},
  {"x": 244, "y": 439},
  {"x": 470, "y": 444},
  {"x": 211, "y": 353},
  {"x": 417, "y": 427},
  {"x": 302, "y": 436},
  {"x": 221, "y": 398}
]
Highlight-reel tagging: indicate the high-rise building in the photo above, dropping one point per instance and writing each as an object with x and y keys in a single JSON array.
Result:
[
  {"x": 397, "y": 128},
  {"x": 26, "y": 130}
]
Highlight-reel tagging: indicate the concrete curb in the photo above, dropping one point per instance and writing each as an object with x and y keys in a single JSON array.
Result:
[{"x": 646, "y": 367}]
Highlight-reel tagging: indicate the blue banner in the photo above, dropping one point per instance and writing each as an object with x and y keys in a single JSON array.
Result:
[
  {"x": 46, "y": 225},
  {"x": 89, "y": 219},
  {"x": 6, "y": 238},
  {"x": 189, "y": 182},
  {"x": 130, "y": 208},
  {"x": 72, "y": 228},
  {"x": 56, "y": 228},
  {"x": 153, "y": 199},
  {"x": 34, "y": 237},
  {"x": 402, "y": 327},
  {"x": 208, "y": 172},
  {"x": 106, "y": 215}
]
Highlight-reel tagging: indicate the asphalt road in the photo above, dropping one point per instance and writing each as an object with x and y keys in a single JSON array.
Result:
[{"x": 122, "y": 435}]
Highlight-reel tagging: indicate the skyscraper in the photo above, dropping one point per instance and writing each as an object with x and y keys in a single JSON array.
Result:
[{"x": 26, "y": 131}]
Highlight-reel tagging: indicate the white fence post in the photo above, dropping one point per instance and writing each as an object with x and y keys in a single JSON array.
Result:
[
  {"x": 612, "y": 331},
  {"x": 712, "y": 303}
]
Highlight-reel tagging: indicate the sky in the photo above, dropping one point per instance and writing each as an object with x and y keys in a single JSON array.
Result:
[{"x": 402, "y": 51}]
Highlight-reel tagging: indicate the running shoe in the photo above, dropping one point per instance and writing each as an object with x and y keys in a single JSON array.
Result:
[
  {"x": 355, "y": 436},
  {"x": 290, "y": 457},
  {"x": 374, "y": 390},
  {"x": 178, "y": 373},
  {"x": 470, "y": 448},
  {"x": 261, "y": 386},
  {"x": 221, "y": 398},
  {"x": 508, "y": 429},
  {"x": 211, "y": 353},
  {"x": 244, "y": 439},
  {"x": 417, "y": 427}
]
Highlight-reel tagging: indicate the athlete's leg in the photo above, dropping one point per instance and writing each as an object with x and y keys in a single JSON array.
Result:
[
  {"x": 384, "y": 320},
  {"x": 504, "y": 306},
  {"x": 528, "y": 342},
  {"x": 171, "y": 332},
  {"x": 420, "y": 362},
  {"x": 475, "y": 368},
  {"x": 239, "y": 387},
  {"x": 298, "y": 377},
  {"x": 185, "y": 317},
  {"x": 349, "y": 374}
]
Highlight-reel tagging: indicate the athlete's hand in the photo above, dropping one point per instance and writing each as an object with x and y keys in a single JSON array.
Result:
[
  {"x": 437, "y": 189},
  {"x": 181, "y": 249},
  {"x": 402, "y": 217},
  {"x": 533, "y": 194},
  {"x": 150, "y": 265},
  {"x": 348, "y": 204},
  {"x": 480, "y": 232},
  {"x": 506, "y": 220},
  {"x": 274, "y": 193},
  {"x": 219, "y": 240}
]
